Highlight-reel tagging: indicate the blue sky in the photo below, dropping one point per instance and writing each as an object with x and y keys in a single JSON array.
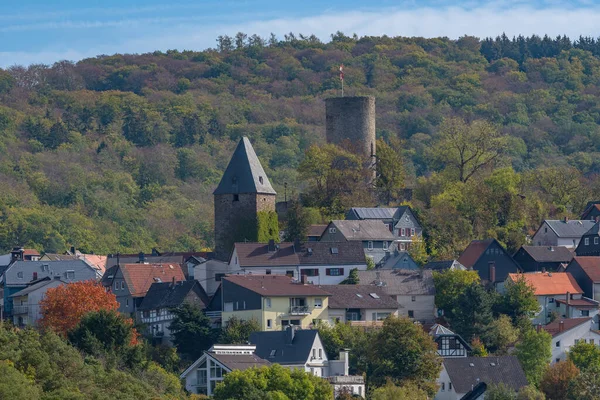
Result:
[{"x": 45, "y": 31}]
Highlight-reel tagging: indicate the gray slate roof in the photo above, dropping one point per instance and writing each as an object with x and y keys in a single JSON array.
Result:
[
  {"x": 244, "y": 174},
  {"x": 239, "y": 361},
  {"x": 285, "y": 354},
  {"x": 165, "y": 295},
  {"x": 467, "y": 372},
  {"x": 549, "y": 253},
  {"x": 34, "y": 287},
  {"x": 359, "y": 296},
  {"x": 571, "y": 228},
  {"x": 83, "y": 271},
  {"x": 594, "y": 230},
  {"x": 440, "y": 265},
  {"x": 400, "y": 281},
  {"x": 378, "y": 212},
  {"x": 363, "y": 230}
]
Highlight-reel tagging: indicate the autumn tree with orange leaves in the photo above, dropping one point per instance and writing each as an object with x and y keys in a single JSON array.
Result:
[{"x": 63, "y": 307}]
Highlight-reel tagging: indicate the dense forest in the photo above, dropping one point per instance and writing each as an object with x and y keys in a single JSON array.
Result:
[{"x": 122, "y": 152}]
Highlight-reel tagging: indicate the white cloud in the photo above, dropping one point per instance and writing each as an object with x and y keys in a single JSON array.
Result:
[{"x": 492, "y": 19}]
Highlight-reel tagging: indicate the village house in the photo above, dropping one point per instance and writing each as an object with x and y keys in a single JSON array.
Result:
[
  {"x": 398, "y": 260},
  {"x": 155, "y": 309},
  {"x": 130, "y": 282},
  {"x": 315, "y": 232},
  {"x": 21, "y": 273},
  {"x": 96, "y": 261},
  {"x": 413, "y": 290},
  {"x": 203, "y": 375},
  {"x": 586, "y": 271},
  {"x": 377, "y": 240},
  {"x": 26, "y": 302},
  {"x": 325, "y": 263},
  {"x": 207, "y": 271},
  {"x": 589, "y": 245},
  {"x": 401, "y": 221},
  {"x": 563, "y": 232},
  {"x": 359, "y": 304},
  {"x": 274, "y": 301},
  {"x": 461, "y": 375},
  {"x": 567, "y": 332},
  {"x": 591, "y": 211},
  {"x": 553, "y": 288},
  {"x": 542, "y": 258},
  {"x": 444, "y": 265},
  {"x": 490, "y": 260},
  {"x": 449, "y": 344}
]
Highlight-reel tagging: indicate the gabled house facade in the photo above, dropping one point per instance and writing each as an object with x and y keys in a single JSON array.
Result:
[
  {"x": 586, "y": 271},
  {"x": 376, "y": 239},
  {"x": 26, "y": 302},
  {"x": 449, "y": 344},
  {"x": 567, "y": 332},
  {"x": 155, "y": 310},
  {"x": 490, "y": 260},
  {"x": 413, "y": 290},
  {"x": 203, "y": 375},
  {"x": 591, "y": 211},
  {"x": 131, "y": 282},
  {"x": 326, "y": 263},
  {"x": 563, "y": 232},
  {"x": 399, "y": 260},
  {"x": 401, "y": 221},
  {"x": 589, "y": 245},
  {"x": 359, "y": 303},
  {"x": 274, "y": 301},
  {"x": 542, "y": 258}
]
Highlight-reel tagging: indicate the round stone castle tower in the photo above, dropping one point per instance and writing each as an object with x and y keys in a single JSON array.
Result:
[{"x": 350, "y": 123}]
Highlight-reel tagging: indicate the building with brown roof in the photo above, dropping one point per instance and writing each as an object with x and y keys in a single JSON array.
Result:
[
  {"x": 490, "y": 260},
  {"x": 359, "y": 303},
  {"x": 586, "y": 271},
  {"x": 326, "y": 263},
  {"x": 550, "y": 288},
  {"x": 275, "y": 301},
  {"x": 130, "y": 282},
  {"x": 567, "y": 332},
  {"x": 315, "y": 232}
]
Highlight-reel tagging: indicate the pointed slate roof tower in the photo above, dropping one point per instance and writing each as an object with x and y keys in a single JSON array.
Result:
[
  {"x": 244, "y": 174},
  {"x": 244, "y": 192}
]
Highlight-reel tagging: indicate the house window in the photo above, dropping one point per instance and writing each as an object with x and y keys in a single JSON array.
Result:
[
  {"x": 401, "y": 231},
  {"x": 585, "y": 313},
  {"x": 310, "y": 272},
  {"x": 413, "y": 298},
  {"x": 334, "y": 271},
  {"x": 320, "y": 353},
  {"x": 443, "y": 388},
  {"x": 402, "y": 246},
  {"x": 545, "y": 230},
  {"x": 449, "y": 386},
  {"x": 411, "y": 314},
  {"x": 318, "y": 302},
  {"x": 587, "y": 241},
  {"x": 268, "y": 302},
  {"x": 269, "y": 323},
  {"x": 116, "y": 285},
  {"x": 385, "y": 245},
  {"x": 268, "y": 272},
  {"x": 314, "y": 351},
  {"x": 201, "y": 376},
  {"x": 216, "y": 371},
  {"x": 550, "y": 299},
  {"x": 126, "y": 302},
  {"x": 558, "y": 344},
  {"x": 236, "y": 197},
  {"x": 71, "y": 275},
  {"x": 332, "y": 230},
  {"x": 412, "y": 231},
  {"x": 20, "y": 275},
  {"x": 218, "y": 277},
  {"x": 369, "y": 245},
  {"x": 380, "y": 316},
  {"x": 122, "y": 285},
  {"x": 596, "y": 240}
]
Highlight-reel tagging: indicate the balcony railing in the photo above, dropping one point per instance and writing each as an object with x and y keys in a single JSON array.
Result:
[
  {"x": 159, "y": 333},
  {"x": 299, "y": 310},
  {"x": 158, "y": 318},
  {"x": 20, "y": 310},
  {"x": 213, "y": 314}
]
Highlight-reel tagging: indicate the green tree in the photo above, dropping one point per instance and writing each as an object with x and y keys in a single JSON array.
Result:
[
  {"x": 472, "y": 313},
  {"x": 500, "y": 392},
  {"x": 557, "y": 378},
  {"x": 501, "y": 335},
  {"x": 518, "y": 300},
  {"x": 352, "y": 278},
  {"x": 191, "y": 330},
  {"x": 298, "y": 222},
  {"x": 344, "y": 336},
  {"x": 403, "y": 352},
  {"x": 16, "y": 385},
  {"x": 534, "y": 353},
  {"x": 390, "y": 171},
  {"x": 466, "y": 148},
  {"x": 238, "y": 331},
  {"x": 585, "y": 355},
  {"x": 393, "y": 392},
  {"x": 450, "y": 285},
  {"x": 274, "y": 382},
  {"x": 530, "y": 393},
  {"x": 418, "y": 251},
  {"x": 586, "y": 386}
]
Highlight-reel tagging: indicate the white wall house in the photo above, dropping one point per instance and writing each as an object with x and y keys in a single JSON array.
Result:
[
  {"x": 565, "y": 232},
  {"x": 567, "y": 332}
]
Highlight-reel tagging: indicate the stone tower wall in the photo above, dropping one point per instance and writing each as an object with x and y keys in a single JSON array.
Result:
[
  {"x": 350, "y": 123},
  {"x": 236, "y": 220}
]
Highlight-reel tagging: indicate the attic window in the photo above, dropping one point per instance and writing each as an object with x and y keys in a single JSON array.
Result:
[
  {"x": 359, "y": 295},
  {"x": 334, "y": 250},
  {"x": 471, "y": 365},
  {"x": 157, "y": 280},
  {"x": 260, "y": 179},
  {"x": 273, "y": 352},
  {"x": 493, "y": 364},
  {"x": 374, "y": 295}
]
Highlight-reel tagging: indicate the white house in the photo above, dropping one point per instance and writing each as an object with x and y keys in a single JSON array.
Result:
[
  {"x": 26, "y": 303},
  {"x": 567, "y": 332},
  {"x": 564, "y": 232},
  {"x": 203, "y": 375}
]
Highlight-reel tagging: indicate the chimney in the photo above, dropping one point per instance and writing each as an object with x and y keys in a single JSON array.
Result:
[
  {"x": 345, "y": 357},
  {"x": 561, "y": 326},
  {"x": 142, "y": 257},
  {"x": 271, "y": 245},
  {"x": 73, "y": 250},
  {"x": 290, "y": 332},
  {"x": 16, "y": 254},
  {"x": 492, "y": 272},
  {"x": 566, "y": 219},
  {"x": 303, "y": 279},
  {"x": 568, "y": 305},
  {"x": 173, "y": 282}
]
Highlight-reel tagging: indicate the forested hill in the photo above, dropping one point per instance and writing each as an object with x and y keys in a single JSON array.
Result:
[{"x": 122, "y": 152}]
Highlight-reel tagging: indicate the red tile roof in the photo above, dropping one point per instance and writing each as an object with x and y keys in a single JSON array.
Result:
[
  {"x": 569, "y": 323},
  {"x": 30, "y": 252},
  {"x": 316, "y": 230},
  {"x": 275, "y": 285},
  {"x": 547, "y": 283},
  {"x": 590, "y": 265},
  {"x": 579, "y": 303},
  {"x": 474, "y": 250},
  {"x": 140, "y": 277}
]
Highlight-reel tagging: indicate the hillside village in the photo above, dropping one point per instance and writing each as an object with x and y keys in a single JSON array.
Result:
[{"x": 310, "y": 297}]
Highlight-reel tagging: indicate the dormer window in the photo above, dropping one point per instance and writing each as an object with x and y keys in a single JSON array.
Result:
[
  {"x": 587, "y": 241},
  {"x": 260, "y": 179}
]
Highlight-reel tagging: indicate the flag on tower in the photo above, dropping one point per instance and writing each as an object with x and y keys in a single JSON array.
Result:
[{"x": 341, "y": 72}]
